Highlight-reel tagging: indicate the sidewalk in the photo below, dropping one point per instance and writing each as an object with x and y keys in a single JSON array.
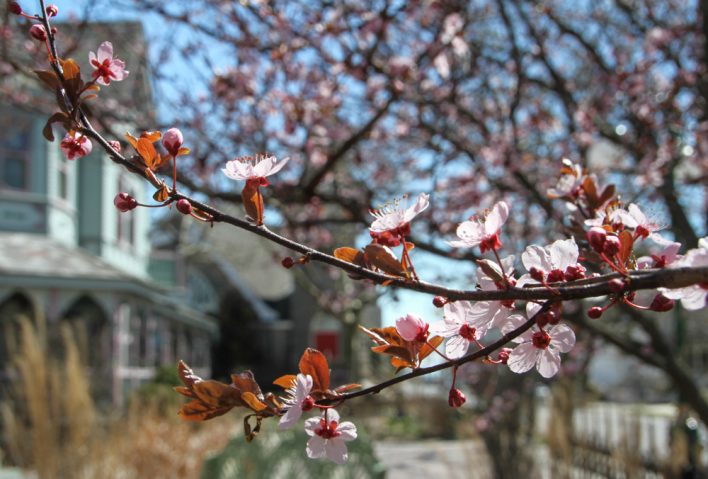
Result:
[{"x": 431, "y": 459}]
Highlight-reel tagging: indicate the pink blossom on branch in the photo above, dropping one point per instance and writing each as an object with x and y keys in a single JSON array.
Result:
[
  {"x": 75, "y": 145},
  {"x": 692, "y": 297},
  {"x": 412, "y": 328},
  {"x": 328, "y": 437},
  {"x": 483, "y": 232},
  {"x": 540, "y": 347},
  {"x": 396, "y": 218},
  {"x": 250, "y": 168},
  {"x": 634, "y": 218},
  {"x": 556, "y": 262},
  {"x": 297, "y": 400},
  {"x": 463, "y": 323},
  {"x": 173, "y": 140},
  {"x": 106, "y": 68}
]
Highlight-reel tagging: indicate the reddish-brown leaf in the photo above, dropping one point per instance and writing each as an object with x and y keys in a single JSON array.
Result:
[
  {"x": 198, "y": 411},
  {"x": 71, "y": 69},
  {"x": 627, "y": 243},
  {"x": 147, "y": 152},
  {"x": 382, "y": 257},
  {"x": 246, "y": 382},
  {"x": 285, "y": 382},
  {"x": 314, "y": 363},
  {"x": 217, "y": 394},
  {"x": 186, "y": 375},
  {"x": 162, "y": 193},
  {"x": 350, "y": 255},
  {"x": 183, "y": 151},
  {"x": 49, "y": 78},
  {"x": 253, "y": 202},
  {"x": 606, "y": 195},
  {"x": 590, "y": 190},
  {"x": 251, "y": 401}
]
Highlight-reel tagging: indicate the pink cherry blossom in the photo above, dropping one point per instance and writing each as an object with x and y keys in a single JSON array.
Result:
[
  {"x": 328, "y": 436},
  {"x": 463, "y": 323},
  {"x": 634, "y": 218},
  {"x": 665, "y": 257},
  {"x": 483, "y": 232},
  {"x": 570, "y": 182},
  {"x": 412, "y": 328},
  {"x": 539, "y": 347},
  {"x": 75, "y": 145},
  {"x": 557, "y": 262},
  {"x": 107, "y": 68},
  {"x": 692, "y": 297},
  {"x": 296, "y": 401},
  {"x": 254, "y": 168},
  {"x": 393, "y": 216}
]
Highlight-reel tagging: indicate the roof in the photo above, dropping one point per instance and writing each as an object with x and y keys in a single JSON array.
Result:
[{"x": 33, "y": 260}]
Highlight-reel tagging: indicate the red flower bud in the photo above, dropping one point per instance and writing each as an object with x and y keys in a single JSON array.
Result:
[
  {"x": 38, "y": 32},
  {"x": 172, "y": 141},
  {"x": 555, "y": 275},
  {"x": 184, "y": 207},
  {"x": 124, "y": 202},
  {"x": 617, "y": 285},
  {"x": 52, "y": 10},
  {"x": 288, "y": 262},
  {"x": 661, "y": 303},
  {"x": 503, "y": 356},
  {"x": 595, "y": 312},
  {"x": 308, "y": 403},
  {"x": 536, "y": 274},
  {"x": 439, "y": 301},
  {"x": 456, "y": 398},
  {"x": 596, "y": 238},
  {"x": 612, "y": 246},
  {"x": 14, "y": 8},
  {"x": 574, "y": 272}
]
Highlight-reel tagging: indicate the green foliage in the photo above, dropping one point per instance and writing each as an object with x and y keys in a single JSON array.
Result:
[{"x": 281, "y": 455}]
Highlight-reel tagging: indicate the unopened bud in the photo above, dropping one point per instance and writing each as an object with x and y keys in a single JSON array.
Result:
[
  {"x": 661, "y": 303},
  {"x": 555, "y": 275},
  {"x": 14, "y": 8},
  {"x": 52, "y": 10},
  {"x": 537, "y": 274},
  {"x": 184, "y": 207},
  {"x": 288, "y": 262},
  {"x": 574, "y": 272},
  {"x": 612, "y": 246},
  {"x": 456, "y": 398},
  {"x": 308, "y": 403},
  {"x": 596, "y": 238},
  {"x": 124, "y": 202},
  {"x": 172, "y": 141},
  {"x": 503, "y": 356},
  {"x": 617, "y": 285},
  {"x": 439, "y": 301},
  {"x": 595, "y": 312},
  {"x": 38, "y": 32}
]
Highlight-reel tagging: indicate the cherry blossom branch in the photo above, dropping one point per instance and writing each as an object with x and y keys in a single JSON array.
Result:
[{"x": 486, "y": 351}]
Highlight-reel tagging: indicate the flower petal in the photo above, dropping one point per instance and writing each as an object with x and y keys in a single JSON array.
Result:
[
  {"x": 456, "y": 347},
  {"x": 523, "y": 358},
  {"x": 105, "y": 52},
  {"x": 311, "y": 425},
  {"x": 563, "y": 253},
  {"x": 336, "y": 450},
  {"x": 562, "y": 337},
  {"x": 470, "y": 233},
  {"x": 548, "y": 362},
  {"x": 535, "y": 256},
  {"x": 291, "y": 417},
  {"x": 496, "y": 218},
  {"x": 316, "y": 447},
  {"x": 420, "y": 205},
  {"x": 347, "y": 431}
]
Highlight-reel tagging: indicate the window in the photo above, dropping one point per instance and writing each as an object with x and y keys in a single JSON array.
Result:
[
  {"x": 125, "y": 230},
  {"x": 15, "y": 152},
  {"x": 63, "y": 178}
]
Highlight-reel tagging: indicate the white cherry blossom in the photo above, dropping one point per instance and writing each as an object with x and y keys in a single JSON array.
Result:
[
  {"x": 296, "y": 400},
  {"x": 250, "y": 168},
  {"x": 462, "y": 324},
  {"x": 328, "y": 437},
  {"x": 483, "y": 231},
  {"x": 396, "y": 215},
  {"x": 692, "y": 297}
]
